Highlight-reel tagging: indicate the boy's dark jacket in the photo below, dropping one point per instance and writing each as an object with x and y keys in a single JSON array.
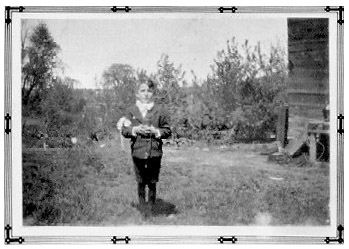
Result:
[{"x": 145, "y": 145}]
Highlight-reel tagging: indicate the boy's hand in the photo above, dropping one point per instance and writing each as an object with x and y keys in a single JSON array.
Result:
[
  {"x": 153, "y": 130},
  {"x": 141, "y": 129},
  {"x": 145, "y": 129}
]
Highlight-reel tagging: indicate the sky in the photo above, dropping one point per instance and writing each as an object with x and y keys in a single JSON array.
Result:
[{"x": 90, "y": 45}]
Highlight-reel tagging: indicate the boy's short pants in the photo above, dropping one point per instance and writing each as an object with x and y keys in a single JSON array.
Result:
[{"x": 147, "y": 170}]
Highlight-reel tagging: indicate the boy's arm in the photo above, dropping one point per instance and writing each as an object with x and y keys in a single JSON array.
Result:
[
  {"x": 127, "y": 132},
  {"x": 164, "y": 128},
  {"x": 127, "y": 128}
]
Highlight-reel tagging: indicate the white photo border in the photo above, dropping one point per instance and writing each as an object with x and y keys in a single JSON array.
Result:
[{"x": 15, "y": 232}]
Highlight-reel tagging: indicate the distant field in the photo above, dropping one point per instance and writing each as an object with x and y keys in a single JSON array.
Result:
[{"x": 234, "y": 185}]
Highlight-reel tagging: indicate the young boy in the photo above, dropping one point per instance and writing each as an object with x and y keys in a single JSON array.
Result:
[{"x": 147, "y": 123}]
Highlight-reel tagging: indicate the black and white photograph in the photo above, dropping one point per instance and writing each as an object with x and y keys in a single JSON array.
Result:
[{"x": 159, "y": 123}]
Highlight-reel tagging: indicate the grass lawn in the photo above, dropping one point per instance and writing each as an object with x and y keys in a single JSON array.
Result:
[{"x": 235, "y": 185}]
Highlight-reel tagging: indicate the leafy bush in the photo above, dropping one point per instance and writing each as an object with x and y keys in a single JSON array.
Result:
[
  {"x": 238, "y": 102},
  {"x": 248, "y": 85}
]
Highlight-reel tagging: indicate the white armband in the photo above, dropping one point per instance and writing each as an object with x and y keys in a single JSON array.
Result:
[
  {"x": 133, "y": 132},
  {"x": 158, "y": 133}
]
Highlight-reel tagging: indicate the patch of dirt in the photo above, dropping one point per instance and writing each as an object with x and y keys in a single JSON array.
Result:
[{"x": 216, "y": 157}]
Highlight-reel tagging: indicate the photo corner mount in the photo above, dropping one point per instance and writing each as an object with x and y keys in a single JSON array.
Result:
[
  {"x": 339, "y": 239},
  {"x": 115, "y": 239},
  {"x": 232, "y": 9},
  {"x": 8, "y": 12},
  {"x": 116, "y": 9},
  {"x": 7, "y": 123},
  {"x": 340, "y": 129},
  {"x": 231, "y": 239},
  {"x": 8, "y": 239},
  {"x": 340, "y": 10}
]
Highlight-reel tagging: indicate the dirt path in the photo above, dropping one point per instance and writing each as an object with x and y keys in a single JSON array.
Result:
[{"x": 221, "y": 157}]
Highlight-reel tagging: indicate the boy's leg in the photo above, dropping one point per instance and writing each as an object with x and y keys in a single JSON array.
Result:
[
  {"x": 154, "y": 165},
  {"x": 152, "y": 193},
  {"x": 139, "y": 168},
  {"x": 143, "y": 207},
  {"x": 141, "y": 193}
]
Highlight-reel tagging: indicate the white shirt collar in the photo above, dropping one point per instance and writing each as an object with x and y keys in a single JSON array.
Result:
[{"x": 144, "y": 108}]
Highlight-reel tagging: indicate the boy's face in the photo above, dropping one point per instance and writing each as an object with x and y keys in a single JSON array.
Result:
[{"x": 144, "y": 94}]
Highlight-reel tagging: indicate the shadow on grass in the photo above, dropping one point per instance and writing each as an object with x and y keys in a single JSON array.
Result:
[{"x": 162, "y": 207}]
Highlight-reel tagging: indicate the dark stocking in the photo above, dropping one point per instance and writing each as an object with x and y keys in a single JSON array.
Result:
[
  {"x": 141, "y": 193},
  {"x": 152, "y": 193}
]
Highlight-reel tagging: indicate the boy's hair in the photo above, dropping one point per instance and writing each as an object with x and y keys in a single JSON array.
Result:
[{"x": 149, "y": 83}]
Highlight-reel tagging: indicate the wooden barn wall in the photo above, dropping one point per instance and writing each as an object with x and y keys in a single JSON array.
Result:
[{"x": 308, "y": 55}]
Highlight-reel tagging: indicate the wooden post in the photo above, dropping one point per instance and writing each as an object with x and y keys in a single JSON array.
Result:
[
  {"x": 312, "y": 148},
  {"x": 282, "y": 126}
]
